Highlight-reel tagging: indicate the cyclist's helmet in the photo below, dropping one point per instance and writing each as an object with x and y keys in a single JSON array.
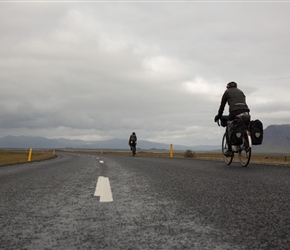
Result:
[{"x": 232, "y": 85}]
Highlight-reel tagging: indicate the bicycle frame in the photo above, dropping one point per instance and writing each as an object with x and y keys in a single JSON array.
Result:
[
  {"x": 249, "y": 138},
  {"x": 244, "y": 150}
]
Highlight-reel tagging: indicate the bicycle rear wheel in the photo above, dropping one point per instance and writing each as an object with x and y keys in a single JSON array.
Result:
[
  {"x": 245, "y": 151},
  {"x": 133, "y": 150},
  {"x": 227, "y": 160}
]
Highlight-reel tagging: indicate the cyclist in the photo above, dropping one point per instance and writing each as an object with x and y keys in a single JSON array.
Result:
[
  {"x": 236, "y": 100},
  {"x": 133, "y": 142}
]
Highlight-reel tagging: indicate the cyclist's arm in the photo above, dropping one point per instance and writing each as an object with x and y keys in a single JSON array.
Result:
[{"x": 223, "y": 104}]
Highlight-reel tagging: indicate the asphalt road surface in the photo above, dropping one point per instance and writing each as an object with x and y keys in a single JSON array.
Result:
[{"x": 81, "y": 201}]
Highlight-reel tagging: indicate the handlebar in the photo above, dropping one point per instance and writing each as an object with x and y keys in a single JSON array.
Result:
[{"x": 223, "y": 121}]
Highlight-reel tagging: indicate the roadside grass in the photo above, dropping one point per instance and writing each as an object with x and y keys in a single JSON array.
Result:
[{"x": 10, "y": 157}]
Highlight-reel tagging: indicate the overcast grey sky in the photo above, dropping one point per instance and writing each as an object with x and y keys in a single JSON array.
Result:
[{"x": 101, "y": 70}]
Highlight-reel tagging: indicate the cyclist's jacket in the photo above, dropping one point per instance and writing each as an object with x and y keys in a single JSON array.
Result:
[
  {"x": 133, "y": 139},
  {"x": 236, "y": 100}
]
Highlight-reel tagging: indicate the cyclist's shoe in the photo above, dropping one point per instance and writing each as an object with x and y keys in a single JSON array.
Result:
[{"x": 228, "y": 153}]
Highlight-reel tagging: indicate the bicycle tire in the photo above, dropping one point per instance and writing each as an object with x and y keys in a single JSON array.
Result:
[
  {"x": 245, "y": 151},
  {"x": 227, "y": 160}
]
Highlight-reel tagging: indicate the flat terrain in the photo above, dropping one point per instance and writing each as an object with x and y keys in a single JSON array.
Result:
[{"x": 9, "y": 157}]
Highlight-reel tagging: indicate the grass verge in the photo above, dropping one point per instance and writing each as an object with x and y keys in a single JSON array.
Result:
[{"x": 21, "y": 156}]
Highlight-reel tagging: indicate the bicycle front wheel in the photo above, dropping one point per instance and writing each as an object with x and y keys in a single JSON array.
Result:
[
  {"x": 245, "y": 152},
  {"x": 225, "y": 147}
]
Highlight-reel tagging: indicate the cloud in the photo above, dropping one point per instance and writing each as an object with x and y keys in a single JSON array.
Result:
[
  {"x": 200, "y": 86},
  {"x": 102, "y": 70}
]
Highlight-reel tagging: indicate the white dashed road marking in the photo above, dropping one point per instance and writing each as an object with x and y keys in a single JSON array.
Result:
[
  {"x": 101, "y": 161},
  {"x": 103, "y": 189}
]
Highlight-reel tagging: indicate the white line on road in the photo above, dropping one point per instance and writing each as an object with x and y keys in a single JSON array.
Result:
[
  {"x": 103, "y": 189},
  {"x": 101, "y": 161}
]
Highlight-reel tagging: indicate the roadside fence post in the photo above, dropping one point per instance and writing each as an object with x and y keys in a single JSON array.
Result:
[
  {"x": 30, "y": 154},
  {"x": 171, "y": 151}
]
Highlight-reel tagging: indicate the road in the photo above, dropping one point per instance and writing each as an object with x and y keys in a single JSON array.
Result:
[{"x": 145, "y": 203}]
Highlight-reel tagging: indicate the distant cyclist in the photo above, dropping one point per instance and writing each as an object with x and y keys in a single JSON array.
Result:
[
  {"x": 236, "y": 100},
  {"x": 133, "y": 143}
]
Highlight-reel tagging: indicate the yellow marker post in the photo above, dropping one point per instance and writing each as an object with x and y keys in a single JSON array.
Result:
[
  {"x": 53, "y": 152},
  {"x": 171, "y": 151},
  {"x": 30, "y": 154}
]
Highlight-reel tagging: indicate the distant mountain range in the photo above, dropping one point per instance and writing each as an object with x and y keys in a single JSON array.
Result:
[
  {"x": 120, "y": 144},
  {"x": 276, "y": 140}
]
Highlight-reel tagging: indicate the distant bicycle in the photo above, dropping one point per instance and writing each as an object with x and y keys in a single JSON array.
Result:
[{"x": 243, "y": 150}]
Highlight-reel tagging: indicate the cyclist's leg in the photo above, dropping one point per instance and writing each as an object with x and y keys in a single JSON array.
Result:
[
  {"x": 228, "y": 138},
  {"x": 229, "y": 152}
]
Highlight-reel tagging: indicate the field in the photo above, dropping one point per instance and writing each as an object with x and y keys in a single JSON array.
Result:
[{"x": 9, "y": 157}]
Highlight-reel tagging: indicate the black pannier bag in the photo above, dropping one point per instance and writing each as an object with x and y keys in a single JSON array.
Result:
[
  {"x": 235, "y": 130},
  {"x": 256, "y": 129}
]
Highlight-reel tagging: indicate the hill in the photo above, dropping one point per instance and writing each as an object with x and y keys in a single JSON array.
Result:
[
  {"x": 276, "y": 140},
  {"x": 120, "y": 144}
]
